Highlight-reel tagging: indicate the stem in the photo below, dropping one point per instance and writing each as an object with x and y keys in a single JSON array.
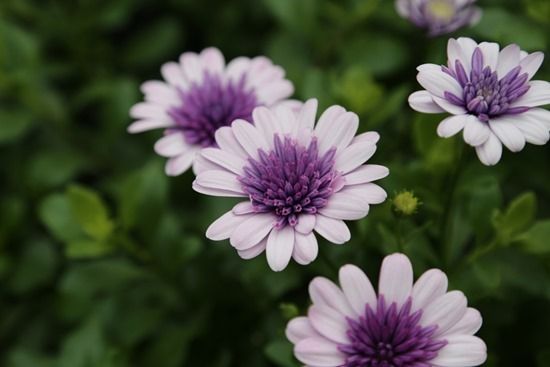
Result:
[
  {"x": 447, "y": 224},
  {"x": 400, "y": 238}
]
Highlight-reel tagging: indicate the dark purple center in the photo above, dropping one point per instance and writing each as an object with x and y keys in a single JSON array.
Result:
[
  {"x": 484, "y": 94},
  {"x": 207, "y": 106},
  {"x": 290, "y": 180},
  {"x": 388, "y": 337}
]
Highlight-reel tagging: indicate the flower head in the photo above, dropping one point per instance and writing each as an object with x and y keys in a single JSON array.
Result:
[
  {"x": 406, "y": 203},
  {"x": 296, "y": 176},
  {"x": 199, "y": 95},
  {"x": 490, "y": 94},
  {"x": 439, "y": 16},
  {"x": 404, "y": 325}
]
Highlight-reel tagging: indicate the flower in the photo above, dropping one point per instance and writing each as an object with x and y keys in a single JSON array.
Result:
[
  {"x": 406, "y": 325},
  {"x": 200, "y": 94},
  {"x": 439, "y": 16},
  {"x": 296, "y": 178},
  {"x": 490, "y": 94},
  {"x": 406, "y": 203}
]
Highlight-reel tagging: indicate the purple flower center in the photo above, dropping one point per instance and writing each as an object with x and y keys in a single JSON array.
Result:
[
  {"x": 290, "y": 180},
  {"x": 389, "y": 337},
  {"x": 484, "y": 94},
  {"x": 207, "y": 106}
]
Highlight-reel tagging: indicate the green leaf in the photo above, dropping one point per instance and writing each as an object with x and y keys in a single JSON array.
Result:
[
  {"x": 517, "y": 218},
  {"x": 87, "y": 248},
  {"x": 56, "y": 214},
  {"x": 537, "y": 239},
  {"x": 90, "y": 212},
  {"x": 85, "y": 347},
  {"x": 13, "y": 125},
  {"x": 280, "y": 353}
]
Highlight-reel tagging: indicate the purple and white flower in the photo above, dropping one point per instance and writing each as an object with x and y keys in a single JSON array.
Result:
[
  {"x": 405, "y": 324},
  {"x": 296, "y": 177},
  {"x": 199, "y": 95},
  {"x": 439, "y": 16},
  {"x": 490, "y": 95}
]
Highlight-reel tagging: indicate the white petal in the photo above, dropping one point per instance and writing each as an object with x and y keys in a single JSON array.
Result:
[
  {"x": 340, "y": 135},
  {"x": 329, "y": 323},
  {"x": 248, "y": 137},
  {"x": 171, "y": 145},
  {"x": 462, "y": 50},
  {"x": 146, "y": 125},
  {"x": 266, "y": 122},
  {"x": 306, "y": 223},
  {"x": 299, "y": 328},
  {"x": 225, "y": 159},
  {"x": 192, "y": 67},
  {"x": 212, "y": 60},
  {"x": 357, "y": 288},
  {"x": 490, "y": 52},
  {"x": 370, "y": 192},
  {"x": 438, "y": 82},
  {"x": 222, "y": 227},
  {"x": 252, "y": 231},
  {"x": 173, "y": 74},
  {"x": 422, "y": 101},
  {"x": 353, "y": 156},
  {"x": 254, "y": 251},
  {"x": 402, "y": 7},
  {"x": 160, "y": 93},
  {"x": 280, "y": 245},
  {"x": 220, "y": 179},
  {"x": 508, "y": 59},
  {"x": 325, "y": 293},
  {"x": 215, "y": 192},
  {"x": 319, "y": 352},
  {"x": 371, "y": 136},
  {"x": 244, "y": 207},
  {"x": 450, "y": 107},
  {"x": 327, "y": 119},
  {"x": 476, "y": 132},
  {"x": 537, "y": 95},
  {"x": 175, "y": 166},
  {"x": 461, "y": 351},
  {"x": 366, "y": 173},
  {"x": 306, "y": 117},
  {"x": 507, "y": 132},
  {"x": 274, "y": 91},
  {"x": 451, "y": 125},
  {"x": 236, "y": 68},
  {"x": 445, "y": 311},
  {"x": 535, "y": 126},
  {"x": 149, "y": 111},
  {"x": 531, "y": 63},
  {"x": 343, "y": 205},
  {"x": 490, "y": 152},
  {"x": 226, "y": 141},
  {"x": 396, "y": 279},
  {"x": 469, "y": 324},
  {"x": 430, "y": 286},
  {"x": 333, "y": 230},
  {"x": 305, "y": 248}
]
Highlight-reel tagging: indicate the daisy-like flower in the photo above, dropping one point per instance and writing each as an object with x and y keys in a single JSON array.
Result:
[
  {"x": 199, "y": 95},
  {"x": 405, "y": 325},
  {"x": 439, "y": 16},
  {"x": 297, "y": 177},
  {"x": 490, "y": 94}
]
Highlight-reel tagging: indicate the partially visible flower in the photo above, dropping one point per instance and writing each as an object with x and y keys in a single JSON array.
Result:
[
  {"x": 296, "y": 176},
  {"x": 439, "y": 16},
  {"x": 405, "y": 324},
  {"x": 199, "y": 95},
  {"x": 490, "y": 94},
  {"x": 405, "y": 203}
]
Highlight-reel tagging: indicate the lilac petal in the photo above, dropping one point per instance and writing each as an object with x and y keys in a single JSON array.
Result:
[
  {"x": 306, "y": 223},
  {"x": 171, "y": 145},
  {"x": 324, "y": 293},
  {"x": 340, "y": 135},
  {"x": 490, "y": 54},
  {"x": 329, "y": 323},
  {"x": 445, "y": 311},
  {"x": 254, "y": 251},
  {"x": 469, "y": 324},
  {"x": 353, "y": 156},
  {"x": 342, "y": 205},
  {"x": 222, "y": 227},
  {"x": 461, "y": 351},
  {"x": 299, "y": 328},
  {"x": 531, "y": 63},
  {"x": 175, "y": 166},
  {"x": 396, "y": 279},
  {"x": 212, "y": 60},
  {"x": 251, "y": 231},
  {"x": 366, "y": 173},
  {"x": 318, "y": 352},
  {"x": 508, "y": 59},
  {"x": 489, "y": 153},
  {"x": 334, "y": 230},
  {"x": 357, "y": 288},
  {"x": 430, "y": 286},
  {"x": 305, "y": 248},
  {"x": 227, "y": 160}
]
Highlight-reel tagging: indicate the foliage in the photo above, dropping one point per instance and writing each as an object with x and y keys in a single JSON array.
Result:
[{"x": 103, "y": 259}]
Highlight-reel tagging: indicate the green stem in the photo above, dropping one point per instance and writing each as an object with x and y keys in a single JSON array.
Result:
[
  {"x": 400, "y": 238},
  {"x": 447, "y": 223}
]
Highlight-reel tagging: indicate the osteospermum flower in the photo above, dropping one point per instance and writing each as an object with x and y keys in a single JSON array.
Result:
[
  {"x": 439, "y": 16},
  {"x": 405, "y": 325},
  {"x": 199, "y": 95},
  {"x": 296, "y": 178},
  {"x": 490, "y": 94}
]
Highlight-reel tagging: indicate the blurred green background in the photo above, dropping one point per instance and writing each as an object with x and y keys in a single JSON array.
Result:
[{"x": 103, "y": 259}]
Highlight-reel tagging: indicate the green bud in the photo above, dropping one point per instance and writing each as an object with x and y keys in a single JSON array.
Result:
[{"x": 406, "y": 203}]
